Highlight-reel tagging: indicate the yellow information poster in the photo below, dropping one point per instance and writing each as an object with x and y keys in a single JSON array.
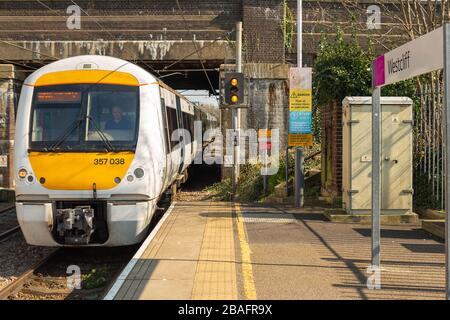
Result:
[
  {"x": 300, "y": 140},
  {"x": 300, "y": 107},
  {"x": 300, "y": 100}
]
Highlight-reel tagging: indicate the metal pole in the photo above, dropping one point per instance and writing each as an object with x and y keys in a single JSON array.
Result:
[
  {"x": 447, "y": 152},
  {"x": 287, "y": 168},
  {"x": 299, "y": 178},
  {"x": 299, "y": 34},
  {"x": 376, "y": 172},
  {"x": 438, "y": 143},
  {"x": 236, "y": 112}
]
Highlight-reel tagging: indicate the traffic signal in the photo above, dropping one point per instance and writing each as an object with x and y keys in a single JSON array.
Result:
[{"x": 234, "y": 88}]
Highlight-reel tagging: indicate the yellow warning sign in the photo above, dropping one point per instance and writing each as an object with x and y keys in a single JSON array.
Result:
[
  {"x": 300, "y": 100},
  {"x": 300, "y": 140}
]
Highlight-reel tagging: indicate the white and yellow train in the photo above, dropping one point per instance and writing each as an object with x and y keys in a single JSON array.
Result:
[{"x": 94, "y": 151}]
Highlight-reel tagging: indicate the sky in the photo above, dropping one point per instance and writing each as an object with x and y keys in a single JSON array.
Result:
[{"x": 200, "y": 96}]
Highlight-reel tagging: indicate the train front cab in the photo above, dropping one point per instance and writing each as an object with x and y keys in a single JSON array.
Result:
[{"x": 78, "y": 154}]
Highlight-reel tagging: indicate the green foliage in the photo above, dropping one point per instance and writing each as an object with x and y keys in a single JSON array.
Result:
[
  {"x": 288, "y": 26},
  {"x": 423, "y": 195},
  {"x": 341, "y": 69},
  {"x": 405, "y": 88},
  {"x": 250, "y": 186},
  {"x": 96, "y": 278},
  {"x": 220, "y": 191},
  {"x": 280, "y": 176},
  {"x": 312, "y": 192}
]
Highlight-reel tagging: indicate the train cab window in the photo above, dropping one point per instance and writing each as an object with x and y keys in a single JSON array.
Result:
[
  {"x": 84, "y": 117},
  {"x": 55, "y": 113},
  {"x": 111, "y": 114}
]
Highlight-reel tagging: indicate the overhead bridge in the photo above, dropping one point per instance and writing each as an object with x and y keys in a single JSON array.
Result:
[{"x": 154, "y": 51}]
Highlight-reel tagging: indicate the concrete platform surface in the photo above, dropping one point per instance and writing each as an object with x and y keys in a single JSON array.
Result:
[
  {"x": 337, "y": 216},
  {"x": 435, "y": 227},
  {"x": 222, "y": 250}
]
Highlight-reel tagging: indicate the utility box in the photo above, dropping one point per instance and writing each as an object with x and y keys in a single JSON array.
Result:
[{"x": 396, "y": 155}]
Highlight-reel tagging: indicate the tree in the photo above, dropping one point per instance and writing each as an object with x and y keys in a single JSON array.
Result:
[{"x": 342, "y": 68}]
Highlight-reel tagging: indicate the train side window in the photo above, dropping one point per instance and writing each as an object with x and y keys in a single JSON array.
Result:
[
  {"x": 165, "y": 125},
  {"x": 188, "y": 120},
  {"x": 181, "y": 120},
  {"x": 173, "y": 125}
]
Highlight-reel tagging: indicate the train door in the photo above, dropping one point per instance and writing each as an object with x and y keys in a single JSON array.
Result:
[
  {"x": 181, "y": 137},
  {"x": 166, "y": 138}
]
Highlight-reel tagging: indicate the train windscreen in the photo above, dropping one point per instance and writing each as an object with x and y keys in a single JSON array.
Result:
[{"x": 85, "y": 117}]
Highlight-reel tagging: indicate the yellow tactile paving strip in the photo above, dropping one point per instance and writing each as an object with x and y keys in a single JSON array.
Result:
[
  {"x": 191, "y": 257},
  {"x": 247, "y": 270},
  {"x": 215, "y": 276}
]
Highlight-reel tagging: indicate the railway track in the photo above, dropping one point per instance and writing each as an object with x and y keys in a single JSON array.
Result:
[
  {"x": 17, "y": 284},
  {"x": 5, "y": 234},
  {"x": 8, "y": 222},
  {"x": 47, "y": 279}
]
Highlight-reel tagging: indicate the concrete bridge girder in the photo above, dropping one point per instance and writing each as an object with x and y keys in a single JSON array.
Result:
[
  {"x": 152, "y": 50},
  {"x": 181, "y": 56}
]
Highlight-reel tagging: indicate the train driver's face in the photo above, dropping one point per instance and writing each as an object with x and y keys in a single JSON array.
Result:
[{"x": 117, "y": 113}]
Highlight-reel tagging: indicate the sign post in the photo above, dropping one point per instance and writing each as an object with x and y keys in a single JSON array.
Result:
[
  {"x": 300, "y": 122},
  {"x": 446, "y": 49},
  {"x": 265, "y": 145},
  {"x": 425, "y": 54},
  {"x": 376, "y": 176}
]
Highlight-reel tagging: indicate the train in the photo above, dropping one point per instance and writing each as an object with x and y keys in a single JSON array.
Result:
[{"x": 97, "y": 144}]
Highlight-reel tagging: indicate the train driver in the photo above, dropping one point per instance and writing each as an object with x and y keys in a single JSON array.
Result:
[{"x": 118, "y": 121}]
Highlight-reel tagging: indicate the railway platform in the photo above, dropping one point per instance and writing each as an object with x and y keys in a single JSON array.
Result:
[{"x": 223, "y": 250}]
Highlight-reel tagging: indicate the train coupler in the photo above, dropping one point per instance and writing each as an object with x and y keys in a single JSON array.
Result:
[{"x": 75, "y": 225}]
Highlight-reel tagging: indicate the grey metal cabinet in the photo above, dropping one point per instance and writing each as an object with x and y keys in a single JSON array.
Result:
[{"x": 396, "y": 155}]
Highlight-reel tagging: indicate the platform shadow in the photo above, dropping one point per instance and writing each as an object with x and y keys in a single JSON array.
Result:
[{"x": 413, "y": 234}]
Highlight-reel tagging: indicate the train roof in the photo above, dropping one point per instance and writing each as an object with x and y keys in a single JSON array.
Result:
[
  {"x": 93, "y": 62},
  {"x": 104, "y": 63}
]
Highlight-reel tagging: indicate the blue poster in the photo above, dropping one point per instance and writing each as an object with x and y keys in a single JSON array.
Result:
[{"x": 300, "y": 122}]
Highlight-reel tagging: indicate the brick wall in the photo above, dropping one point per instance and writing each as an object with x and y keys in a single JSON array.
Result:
[
  {"x": 9, "y": 97},
  {"x": 262, "y": 24},
  {"x": 205, "y": 19},
  {"x": 124, "y": 19},
  {"x": 331, "y": 133},
  {"x": 324, "y": 16}
]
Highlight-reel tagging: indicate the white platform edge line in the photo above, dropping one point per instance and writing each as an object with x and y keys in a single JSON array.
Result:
[{"x": 126, "y": 271}]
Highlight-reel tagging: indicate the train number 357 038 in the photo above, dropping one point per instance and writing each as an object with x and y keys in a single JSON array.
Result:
[{"x": 112, "y": 161}]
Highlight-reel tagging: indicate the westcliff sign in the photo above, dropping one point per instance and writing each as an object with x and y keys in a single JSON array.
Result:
[{"x": 419, "y": 56}]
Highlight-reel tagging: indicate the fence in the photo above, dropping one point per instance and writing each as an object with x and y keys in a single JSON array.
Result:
[{"x": 429, "y": 149}]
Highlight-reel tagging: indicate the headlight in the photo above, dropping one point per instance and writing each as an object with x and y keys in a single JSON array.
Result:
[
  {"x": 139, "y": 173},
  {"x": 22, "y": 173}
]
